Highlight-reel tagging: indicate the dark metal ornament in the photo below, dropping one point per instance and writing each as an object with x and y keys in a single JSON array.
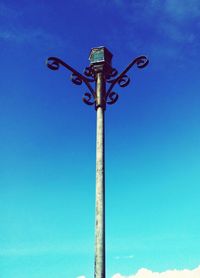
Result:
[{"x": 89, "y": 76}]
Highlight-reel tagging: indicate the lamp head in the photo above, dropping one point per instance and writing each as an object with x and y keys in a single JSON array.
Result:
[{"x": 101, "y": 56}]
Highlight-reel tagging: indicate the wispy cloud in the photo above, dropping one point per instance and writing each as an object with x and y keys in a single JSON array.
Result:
[
  {"x": 174, "y": 17},
  {"x": 124, "y": 257},
  {"x": 182, "y": 10},
  {"x": 37, "y": 37},
  {"x": 32, "y": 251},
  {"x": 178, "y": 22},
  {"x": 8, "y": 12},
  {"x": 146, "y": 273},
  {"x": 45, "y": 249},
  {"x": 179, "y": 10},
  {"x": 162, "y": 29},
  {"x": 12, "y": 31}
]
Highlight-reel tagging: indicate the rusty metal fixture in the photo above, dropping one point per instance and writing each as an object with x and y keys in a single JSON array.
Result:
[
  {"x": 89, "y": 76},
  {"x": 105, "y": 78}
]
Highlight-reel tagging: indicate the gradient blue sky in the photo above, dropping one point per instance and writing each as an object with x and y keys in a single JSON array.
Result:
[{"x": 47, "y": 146}]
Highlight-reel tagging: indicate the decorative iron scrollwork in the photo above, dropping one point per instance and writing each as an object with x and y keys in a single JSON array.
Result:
[
  {"x": 124, "y": 81},
  {"x": 54, "y": 63},
  {"x": 87, "y": 99},
  {"x": 76, "y": 79},
  {"x": 112, "y": 98},
  {"x": 111, "y": 75},
  {"x": 90, "y": 73},
  {"x": 141, "y": 62},
  {"x": 89, "y": 76}
]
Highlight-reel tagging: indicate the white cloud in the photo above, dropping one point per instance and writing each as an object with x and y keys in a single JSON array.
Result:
[
  {"x": 175, "y": 16},
  {"x": 146, "y": 273},
  {"x": 162, "y": 29},
  {"x": 179, "y": 16},
  {"x": 44, "y": 249},
  {"x": 37, "y": 37},
  {"x": 124, "y": 257},
  {"x": 11, "y": 30},
  {"x": 183, "y": 10},
  {"x": 179, "y": 10},
  {"x": 32, "y": 251},
  {"x": 8, "y": 12}
]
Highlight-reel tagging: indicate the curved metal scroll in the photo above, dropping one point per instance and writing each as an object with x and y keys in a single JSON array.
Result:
[
  {"x": 113, "y": 97},
  {"x": 89, "y": 76},
  {"x": 113, "y": 73},
  {"x": 89, "y": 72},
  {"x": 122, "y": 79},
  {"x": 87, "y": 99},
  {"x": 54, "y": 63}
]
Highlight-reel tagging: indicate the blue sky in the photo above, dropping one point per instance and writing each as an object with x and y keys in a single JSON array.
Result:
[{"x": 47, "y": 165}]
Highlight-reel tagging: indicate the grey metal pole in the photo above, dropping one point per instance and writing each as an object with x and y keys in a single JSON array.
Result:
[
  {"x": 101, "y": 72},
  {"x": 100, "y": 179}
]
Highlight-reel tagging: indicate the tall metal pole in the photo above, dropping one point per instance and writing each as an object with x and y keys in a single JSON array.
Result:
[
  {"x": 101, "y": 73},
  {"x": 100, "y": 179}
]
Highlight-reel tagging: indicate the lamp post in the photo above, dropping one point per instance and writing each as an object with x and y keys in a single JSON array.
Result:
[{"x": 105, "y": 77}]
